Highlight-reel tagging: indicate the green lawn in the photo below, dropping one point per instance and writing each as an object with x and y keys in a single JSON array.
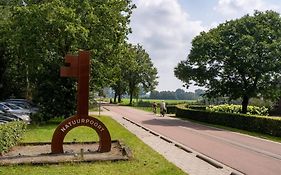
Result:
[{"x": 145, "y": 160}]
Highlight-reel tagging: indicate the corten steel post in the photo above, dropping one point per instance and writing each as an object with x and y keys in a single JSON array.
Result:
[{"x": 80, "y": 68}]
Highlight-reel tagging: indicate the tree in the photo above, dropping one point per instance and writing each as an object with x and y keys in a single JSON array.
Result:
[
  {"x": 3, "y": 50},
  {"x": 37, "y": 36},
  {"x": 199, "y": 93},
  {"x": 42, "y": 35},
  {"x": 239, "y": 58},
  {"x": 119, "y": 88},
  {"x": 139, "y": 71},
  {"x": 180, "y": 94}
]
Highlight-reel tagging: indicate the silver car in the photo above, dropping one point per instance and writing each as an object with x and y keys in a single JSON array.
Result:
[
  {"x": 25, "y": 104},
  {"x": 16, "y": 110}
]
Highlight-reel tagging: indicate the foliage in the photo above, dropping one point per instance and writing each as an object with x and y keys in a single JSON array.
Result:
[
  {"x": 252, "y": 110},
  {"x": 38, "y": 118},
  {"x": 10, "y": 134},
  {"x": 120, "y": 85},
  {"x": 139, "y": 71},
  {"x": 134, "y": 72},
  {"x": 55, "y": 96},
  {"x": 179, "y": 94},
  {"x": 197, "y": 107},
  {"x": 143, "y": 103},
  {"x": 126, "y": 101},
  {"x": 239, "y": 58},
  {"x": 265, "y": 125},
  {"x": 8, "y": 84},
  {"x": 276, "y": 108},
  {"x": 35, "y": 37},
  {"x": 171, "y": 109}
]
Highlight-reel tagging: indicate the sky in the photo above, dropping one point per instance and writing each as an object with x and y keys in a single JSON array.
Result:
[{"x": 165, "y": 29}]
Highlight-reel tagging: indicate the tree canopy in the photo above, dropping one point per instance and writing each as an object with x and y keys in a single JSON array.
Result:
[
  {"x": 136, "y": 71},
  {"x": 37, "y": 34},
  {"x": 239, "y": 59}
]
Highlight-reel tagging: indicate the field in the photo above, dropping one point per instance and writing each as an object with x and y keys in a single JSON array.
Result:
[
  {"x": 126, "y": 101},
  {"x": 145, "y": 160}
]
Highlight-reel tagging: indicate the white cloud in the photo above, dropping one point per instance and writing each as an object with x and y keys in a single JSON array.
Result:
[
  {"x": 165, "y": 31},
  {"x": 238, "y": 8}
]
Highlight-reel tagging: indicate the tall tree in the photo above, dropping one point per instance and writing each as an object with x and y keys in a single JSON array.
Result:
[
  {"x": 42, "y": 35},
  {"x": 139, "y": 71},
  {"x": 239, "y": 58},
  {"x": 42, "y": 32}
]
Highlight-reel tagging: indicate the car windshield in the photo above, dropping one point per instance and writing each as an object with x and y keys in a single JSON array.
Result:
[
  {"x": 12, "y": 106},
  {"x": 27, "y": 103},
  {"x": 21, "y": 105}
]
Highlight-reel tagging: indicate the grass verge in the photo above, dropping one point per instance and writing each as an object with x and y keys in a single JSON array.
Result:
[{"x": 145, "y": 160}]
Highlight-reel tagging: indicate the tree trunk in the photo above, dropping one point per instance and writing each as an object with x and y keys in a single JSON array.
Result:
[
  {"x": 245, "y": 103},
  {"x": 131, "y": 98},
  {"x": 115, "y": 96},
  {"x": 28, "y": 90},
  {"x": 119, "y": 98}
]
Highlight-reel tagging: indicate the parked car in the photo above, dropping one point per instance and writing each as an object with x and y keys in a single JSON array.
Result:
[
  {"x": 9, "y": 107},
  {"x": 6, "y": 117},
  {"x": 3, "y": 121},
  {"x": 15, "y": 117},
  {"x": 9, "y": 116},
  {"x": 25, "y": 104},
  {"x": 16, "y": 110}
]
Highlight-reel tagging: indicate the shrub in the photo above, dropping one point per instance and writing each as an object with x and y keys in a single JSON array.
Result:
[
  {"x": 266, "y": 125},
  {"x": 37, "y": 118},
  {"x": 54, "y": 95},
  {"x": 93, "y": 104},
  {"x": 142, "y": 103},
  {"x": 253, "y": 110},
  {"x": 171, "y": 109},
  {"x": 197, "y": 107},
  {"x": 10, "y": 134}
]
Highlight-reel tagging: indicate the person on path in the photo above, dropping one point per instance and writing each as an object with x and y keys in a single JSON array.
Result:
[{"x": 163, "y": 108}]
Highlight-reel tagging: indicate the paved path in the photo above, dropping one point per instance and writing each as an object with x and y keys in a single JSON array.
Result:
[{"x": 246, "y": 154}]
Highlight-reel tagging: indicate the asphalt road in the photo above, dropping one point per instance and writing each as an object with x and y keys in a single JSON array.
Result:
[{"x": 249, "y": 155}]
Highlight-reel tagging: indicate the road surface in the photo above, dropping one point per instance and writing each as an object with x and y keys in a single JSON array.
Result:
[{"x": 249, "y": 155}]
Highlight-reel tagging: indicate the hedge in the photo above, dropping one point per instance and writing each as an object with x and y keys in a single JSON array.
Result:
[
  {"x": 143, "y": 104},
  {"x": 265, "y": 125},
  {"x": 171, "y": 109},
  {"x": 10, "y": 134},
  {"x": 197, "y": 107},
  {"x": 252, "y": 110}
]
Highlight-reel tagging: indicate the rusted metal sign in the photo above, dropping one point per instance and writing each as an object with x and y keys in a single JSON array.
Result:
[{"x": 79, "y": 67}]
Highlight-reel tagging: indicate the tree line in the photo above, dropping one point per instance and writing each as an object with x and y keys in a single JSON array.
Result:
[
  {"x": 179, "y": 94},
  {"x": 35, "y": 35}
]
